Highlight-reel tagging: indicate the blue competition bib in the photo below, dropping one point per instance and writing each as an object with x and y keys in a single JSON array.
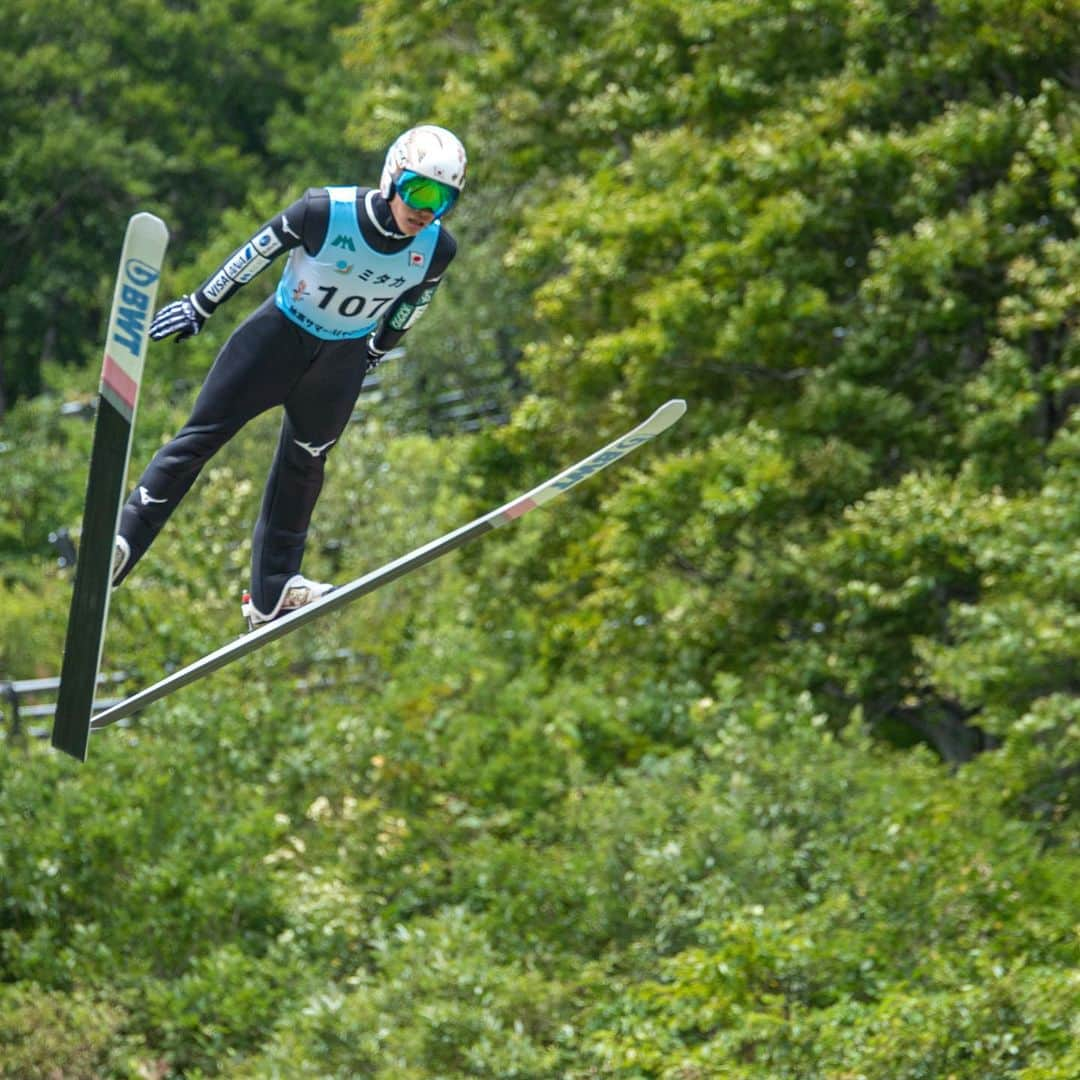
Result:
[{"x": 343, "y": 290}]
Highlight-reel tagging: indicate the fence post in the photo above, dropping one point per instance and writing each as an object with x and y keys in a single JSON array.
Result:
[{"x": 7, "y": 692}]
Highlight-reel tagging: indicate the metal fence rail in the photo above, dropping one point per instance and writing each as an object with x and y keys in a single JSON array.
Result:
[
  {"x": 20, "y": 696},
  {"x": 35, "y": 699}
]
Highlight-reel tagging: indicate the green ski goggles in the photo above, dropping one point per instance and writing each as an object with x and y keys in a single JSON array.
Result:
[{"x": 423, "y": 193}]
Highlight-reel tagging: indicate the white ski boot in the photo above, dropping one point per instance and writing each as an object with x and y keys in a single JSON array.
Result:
[
  {"x": 121, "y": 554},
  {"x": 297, "y": 593}
]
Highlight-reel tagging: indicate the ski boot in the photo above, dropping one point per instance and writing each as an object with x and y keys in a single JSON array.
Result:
[
  {"x": 121, "y": 554},
  {"x": 297, "y": 593}
]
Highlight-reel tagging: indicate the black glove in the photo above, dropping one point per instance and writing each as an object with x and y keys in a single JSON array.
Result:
[{"x": 179, "y": 318}]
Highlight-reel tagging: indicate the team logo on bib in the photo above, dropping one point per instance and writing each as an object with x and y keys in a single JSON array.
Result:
[{"x": 416, "y": 258}]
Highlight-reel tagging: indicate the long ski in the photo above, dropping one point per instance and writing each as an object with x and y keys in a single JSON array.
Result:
[
  {"x": 660, "y": 421},
  {"x": 125, "y": 354}
]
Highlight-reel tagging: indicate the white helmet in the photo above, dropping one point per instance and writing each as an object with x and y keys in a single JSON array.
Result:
[{"x": 428, "y": 151}]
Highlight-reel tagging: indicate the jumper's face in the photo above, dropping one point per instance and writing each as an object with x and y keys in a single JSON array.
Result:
[
  {"x": 408, "y": 220},
  {"x": 419, "y": 199}
]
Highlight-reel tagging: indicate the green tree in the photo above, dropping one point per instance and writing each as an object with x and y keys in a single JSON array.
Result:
[{"x": 112, "y": 108}]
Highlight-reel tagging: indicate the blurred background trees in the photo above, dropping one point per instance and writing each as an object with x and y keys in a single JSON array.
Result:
[{"x": 757, "y": 758}]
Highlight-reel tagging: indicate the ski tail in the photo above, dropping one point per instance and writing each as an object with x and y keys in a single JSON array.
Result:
[{"x": 121, "y": 375}]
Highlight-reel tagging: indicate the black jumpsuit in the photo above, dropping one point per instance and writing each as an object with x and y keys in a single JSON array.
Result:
[{"x": 268, "y": 361}]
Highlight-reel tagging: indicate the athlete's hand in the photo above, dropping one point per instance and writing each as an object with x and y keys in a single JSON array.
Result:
[{"x": 179, "y": 318}]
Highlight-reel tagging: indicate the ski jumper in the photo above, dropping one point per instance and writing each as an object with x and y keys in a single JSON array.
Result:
[{"x": 350, "y": 290}]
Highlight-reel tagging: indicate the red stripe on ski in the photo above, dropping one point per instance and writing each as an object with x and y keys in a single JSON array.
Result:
[
  {"x": 120, "y": 382},
  {"x": 519, "y": 508}
]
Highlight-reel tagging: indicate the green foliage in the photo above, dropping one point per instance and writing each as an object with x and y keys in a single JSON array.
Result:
[
  {"x": 49, "y": 1034},
  {"x": 756, "y": 758},
  {"x": 42, "y": 491},
  {"x": 440, "y": 1001},
  {"x": 106, "y": 111}
]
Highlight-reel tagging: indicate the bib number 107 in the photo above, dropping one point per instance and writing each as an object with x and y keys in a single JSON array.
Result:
[{"x": 352, "y": 306}]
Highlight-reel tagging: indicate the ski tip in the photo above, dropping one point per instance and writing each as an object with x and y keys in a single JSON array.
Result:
[
  {"x": 150, "y": 225},
  {"x": 667, "y": 414}
]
